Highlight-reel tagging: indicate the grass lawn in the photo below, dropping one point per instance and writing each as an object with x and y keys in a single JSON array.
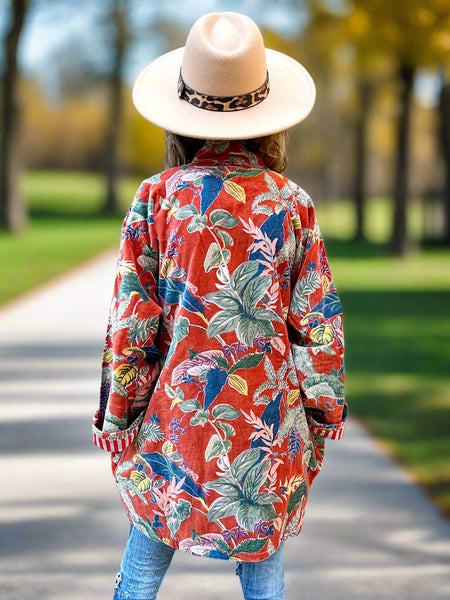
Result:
[
  {"x": 396, "y": 311},
  {"x": 397, "y": 332},
  {"x": 65, "y": 229}
]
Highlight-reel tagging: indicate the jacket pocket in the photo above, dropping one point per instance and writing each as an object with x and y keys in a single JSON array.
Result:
[{"x": 115, "y": 441}]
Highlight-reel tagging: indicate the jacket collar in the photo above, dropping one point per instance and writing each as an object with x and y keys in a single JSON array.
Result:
[{"x": 226, "y": 153}]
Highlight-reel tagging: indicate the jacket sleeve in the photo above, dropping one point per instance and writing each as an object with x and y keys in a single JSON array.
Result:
[
  {"x": 130, "y": 364},
  {"x": 315, "y": 328}
]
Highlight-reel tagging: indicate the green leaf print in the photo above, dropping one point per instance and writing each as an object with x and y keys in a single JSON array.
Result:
[
  {"x": 216, "y": 447},
  {"x": 225, "y": 411},
  {"x": 180, "y": 512},
  {"x": 201, "y": 417},
  {"x": 227, "y": 428},
  {"x": 297, "y": 496},
  {"x": 184, "y": 212},
  {"x": 249, "y": 546},
  {"x": 190, "y": 405},
  {"x": 223, "y": 218},
  {"x": 249, "y": 361}
]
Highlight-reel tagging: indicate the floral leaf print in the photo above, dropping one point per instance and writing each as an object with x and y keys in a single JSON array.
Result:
[
  {"x": 211, "y": 188},
  {"x": 150, "y": 432},
  {"x": 238, "y": 383},
  {"x": 216, "y": 447},
  {"x": 180, "y": 331},
  {"x": 174, "y": 291},
  {"x": 243, "y": 498},
  {"x": 240, "y": 297},
  {"x": 198, "y": 223},
  {"x": 168, "y": 470},
  {"x": 295, "y": 419},
  {"x": 189, "y": 405},
  {"x": 276, "y": 200},
  {"x": 201, "y": 417},
  {"x": 297, "y": 496},
  {"x": 148, "y": 260},
  {"x": 227, "y": 428},
  {"x": 231, "y": 261},
  {"x": 225, "y": 411},
  {"x": 223, "y": 218},
  {"x": 224, "y": 236},
  {"x": 329, "y": 306},
  {"x": 294, "y": 445},
  {"x": 179, "y": 512},
  {"x": 141, "y": 329},
  {"x": 131, "y": 284},
  {"x": 215, "y": 381},
  {"x": 125, "y": 373},
  {"x": 235, "y": 190},
  {"x": 271, "y": 418},
  {"x": 184, "y": 212},
  {"x": 198, "y": 365},
  {"x": 249, "y": 361},
  {"x": 322, "y": 334},
  {"x": 141, "y": 481},
  {"x": 215, "y": 257},
  {"x": 249, "y": 546}
]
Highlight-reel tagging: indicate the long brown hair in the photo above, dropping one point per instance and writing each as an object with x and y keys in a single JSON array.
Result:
[{"x": 271, "y": 148}]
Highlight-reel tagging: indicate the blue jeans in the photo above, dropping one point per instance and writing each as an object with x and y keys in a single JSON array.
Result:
[{"x": 145, "y": 562}]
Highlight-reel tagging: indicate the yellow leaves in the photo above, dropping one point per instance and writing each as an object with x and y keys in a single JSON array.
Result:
[
  {"x": 140, "y": 480},
  {"x": 167, "y": 267},
  {"x": 125, "y": 374},
  {"x": 296, "y": 223},
  {"x": 293, "y": 483},
  {"x": 235, "y": 190},
  {"x": 322, "y": 334},
  {"x": 325, "y": 283},
  {"x": 134, "y": 349},
  {"x": 107, "y": 356},
  {"x": 126, "y": 266},
  {"x": 238, "y": 383},
  {"x": 167, "y": 448},
  {"x": 176, "y": 401},
  {"x": 293, "y": 397}
]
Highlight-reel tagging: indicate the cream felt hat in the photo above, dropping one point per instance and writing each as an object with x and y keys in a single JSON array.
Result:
[{"x": 224, "y": 84}]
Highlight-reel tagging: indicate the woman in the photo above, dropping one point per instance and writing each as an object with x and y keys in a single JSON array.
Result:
[{"x": 223, "y": 363}]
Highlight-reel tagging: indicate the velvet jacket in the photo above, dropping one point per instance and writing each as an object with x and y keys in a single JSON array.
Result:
[{"x": 223, "y": 368}]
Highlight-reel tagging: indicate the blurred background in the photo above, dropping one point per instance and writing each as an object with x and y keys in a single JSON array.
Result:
[{"x": 374, "y": 155}]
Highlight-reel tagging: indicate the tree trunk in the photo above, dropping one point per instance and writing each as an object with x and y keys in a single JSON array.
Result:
[
  {"x": 13, "y": 216},
  {"x": 115, "y": 101},
  {"x": 365, "y": 91},
  {"x": 444, "y": 130},
  {"x": 400, "y": 242}
]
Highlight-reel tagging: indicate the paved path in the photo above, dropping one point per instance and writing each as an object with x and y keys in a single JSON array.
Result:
[{"x": 369, "y": 533}]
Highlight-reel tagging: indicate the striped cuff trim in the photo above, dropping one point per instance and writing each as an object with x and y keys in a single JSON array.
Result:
[
  {"x": 115, "y": 441},
  {"x": 332, "y": 431}
]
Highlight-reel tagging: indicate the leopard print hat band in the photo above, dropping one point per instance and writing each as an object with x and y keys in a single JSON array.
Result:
[{"x": 222, "y": 103}]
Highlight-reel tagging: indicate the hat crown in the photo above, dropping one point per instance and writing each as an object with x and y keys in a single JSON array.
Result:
[{"x": 224, "y": 55}]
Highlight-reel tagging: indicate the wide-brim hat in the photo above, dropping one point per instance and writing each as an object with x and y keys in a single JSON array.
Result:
[{"x": 224, "y": 84}]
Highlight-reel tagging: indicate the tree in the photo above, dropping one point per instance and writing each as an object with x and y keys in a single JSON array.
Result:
[
  {"x": 12, "y": 207},
  {"x": 120, "y": 36},
  {"x": 444, "y": 130}
]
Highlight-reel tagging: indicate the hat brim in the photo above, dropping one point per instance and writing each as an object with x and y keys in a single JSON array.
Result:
[{"x": 290, "y": 100}]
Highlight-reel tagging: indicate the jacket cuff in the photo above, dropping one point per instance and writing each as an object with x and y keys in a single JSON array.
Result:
[
  {"x": 333, "y": 431},
  {"x": 114, "y": 441}
]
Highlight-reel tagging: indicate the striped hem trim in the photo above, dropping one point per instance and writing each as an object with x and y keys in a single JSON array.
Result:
[{"x": 115, "y": 441}]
